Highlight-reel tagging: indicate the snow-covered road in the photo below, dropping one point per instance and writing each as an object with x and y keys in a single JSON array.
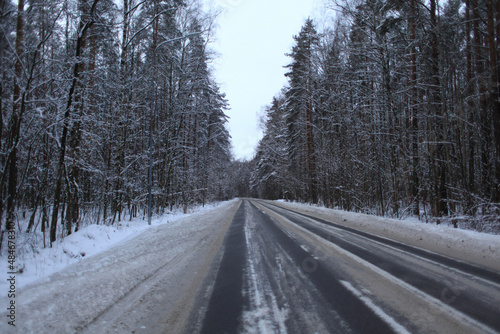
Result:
[{"x": 269, "y": 267}]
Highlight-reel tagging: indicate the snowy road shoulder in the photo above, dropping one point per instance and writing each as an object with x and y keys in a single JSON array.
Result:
[{"x": 162, "y": 265}]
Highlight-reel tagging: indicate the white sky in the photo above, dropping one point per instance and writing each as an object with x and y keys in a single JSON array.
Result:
[{"x": 252, "y": 38}]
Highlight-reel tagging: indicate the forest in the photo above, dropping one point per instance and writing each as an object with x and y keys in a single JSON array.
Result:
[
  {"x": 99, "y": 97},
  {"x": 393, "y": 110}
]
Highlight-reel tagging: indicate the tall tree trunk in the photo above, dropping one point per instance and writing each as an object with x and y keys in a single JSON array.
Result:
[
  {"x": 494, "y": 95},
  {"x": 439, "y": 161},
  {"x": 482, "y": 104},
  {"x": 85, "y": 24},
  {"x": 3, "y": 47},
  {"x": 15, "y": 120},
  {"x": 311, "y": 154},
  {"x": 3, "y": 73},
  {"x": 412, "y": 120},
  {"x": 496, "y": 110},
  {"x": 74, "y": 152},
  {"x": 73, "y": 205},
  {"x": 413, "y": 113},
  {"x": 122, "y": 115},
  {"x": 471, "y": 186}
]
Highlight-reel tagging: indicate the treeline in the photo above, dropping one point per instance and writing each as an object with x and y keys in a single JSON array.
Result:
[
  {"x": 394, "y": 110},
  {"x": 87, "y": 88}
]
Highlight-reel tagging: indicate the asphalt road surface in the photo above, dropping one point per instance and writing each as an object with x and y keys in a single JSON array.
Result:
[
  {"x": 251, "y": 266},
  {"x": 286, "y": 272}
]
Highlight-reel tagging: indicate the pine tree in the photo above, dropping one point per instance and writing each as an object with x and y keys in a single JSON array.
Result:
[
  {"x": 301, "y": 113},
  {"x": 270, "y": 179}
]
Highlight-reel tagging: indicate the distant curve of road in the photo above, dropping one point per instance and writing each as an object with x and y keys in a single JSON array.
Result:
[{"x": 287, "y": 272}]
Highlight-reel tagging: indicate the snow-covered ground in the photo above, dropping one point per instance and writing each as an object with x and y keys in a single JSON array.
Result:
[{"x": 37, "y": 262}]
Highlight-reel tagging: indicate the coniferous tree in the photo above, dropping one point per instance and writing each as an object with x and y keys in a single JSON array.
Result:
[
  {"x": 301, "y": 109},
  {"x": 270, "y": 178}
]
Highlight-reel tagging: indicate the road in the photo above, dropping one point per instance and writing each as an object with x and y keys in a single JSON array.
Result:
[
  {"x": 288, "y": 272},
  {"x": 252, "y": 266}
]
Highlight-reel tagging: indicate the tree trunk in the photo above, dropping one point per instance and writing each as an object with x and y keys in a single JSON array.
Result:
[
  {"x": 439, "y": 161},
  {"x": 33, "y": 215},
  {"x": 15, "y": 120},
  {"x": 3, "y": 47},
  {"x": 496, "y": 110},
  {"x": 311, "y": 154},
  {"x": 482, "y": 104},
  {"x": 414, "y": 188},
  {"x": 494, "y": 96},
  {"x": 471, "y": 186},
  {"x": 85, "y": 24}
]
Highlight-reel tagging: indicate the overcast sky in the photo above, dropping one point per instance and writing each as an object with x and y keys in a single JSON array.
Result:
[{"x": 252, "y": 39}]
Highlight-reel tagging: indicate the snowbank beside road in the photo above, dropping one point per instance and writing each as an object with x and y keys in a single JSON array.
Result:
[{"x": 474, "y": 247}]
